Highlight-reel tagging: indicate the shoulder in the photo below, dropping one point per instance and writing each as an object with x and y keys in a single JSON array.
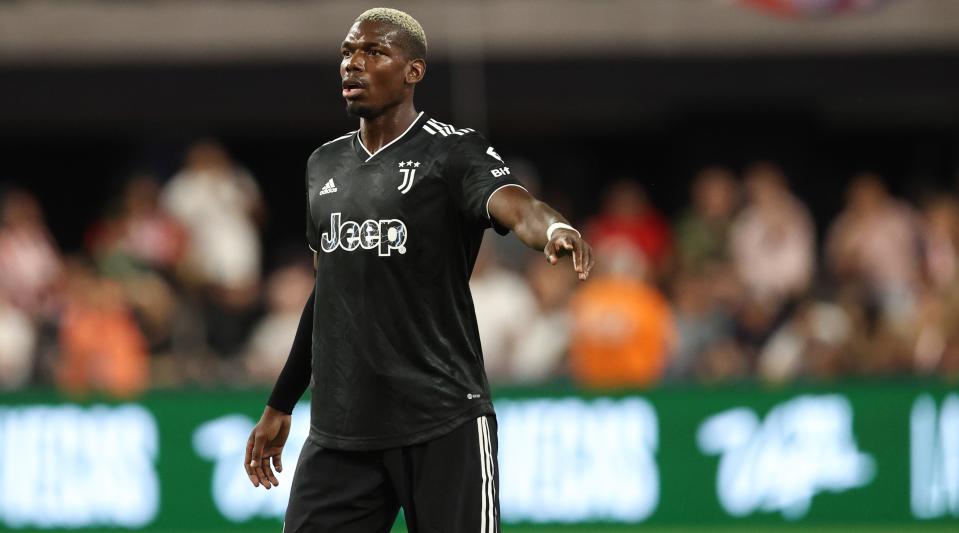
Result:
[
  {"x": 332, "y": 146},
  {"x": 453, "y": 137},
  {"x": 461, "y": 142},
  {"x": 443, "y": 131}
]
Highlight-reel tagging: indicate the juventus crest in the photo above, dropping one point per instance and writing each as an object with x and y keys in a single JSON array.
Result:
[{"x": 408, "y": 169}]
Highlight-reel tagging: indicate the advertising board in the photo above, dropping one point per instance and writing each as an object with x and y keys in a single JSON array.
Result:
[{"x": 171, "y": 461}]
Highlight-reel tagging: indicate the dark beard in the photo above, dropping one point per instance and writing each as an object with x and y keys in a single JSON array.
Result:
[{"x": 354, "y": 109}]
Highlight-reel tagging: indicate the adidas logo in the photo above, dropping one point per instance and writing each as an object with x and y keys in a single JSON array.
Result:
[{"x": 330, "y": 187}]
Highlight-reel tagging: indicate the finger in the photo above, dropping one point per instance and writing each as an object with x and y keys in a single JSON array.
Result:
[
  {"x": 268, "y": 469},
  {"x": 578, "y": 258},
  {"x": 257, "y": 457},
  {"x": 592, "y": 262},
  {"x": 257, "y": 452},
  {"x": 264, "y": 479},
  {"x": 247, "y": 459},
  {"x": 550, "y": 252},
  {"x": 270, "y": 474},
  {"x": 277, "y": 461}
]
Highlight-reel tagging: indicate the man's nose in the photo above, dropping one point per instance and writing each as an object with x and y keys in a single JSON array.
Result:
[{"x": 354, "y": 63}]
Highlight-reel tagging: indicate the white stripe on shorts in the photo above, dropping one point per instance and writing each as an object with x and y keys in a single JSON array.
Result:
[
  {"x": 490, "y": 463},
  {"x": 488, "y": 509},
  {"x": 482, "y": 452}
]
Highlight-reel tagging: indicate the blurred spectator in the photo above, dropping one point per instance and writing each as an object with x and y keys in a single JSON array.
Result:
[
  {"x": 702, "y": 322},
  {"x": 543, "y": 347},
  {"x": 877, "y": 346},
  {"x": 628, "y": 216},
  {"x": 941, "y": 239},
  {"x": 773, "y": 240},
  {"x": 934, "y": 324},
  {"x": 287, "y": 290},
  {"x": 705, "y": 290},
  {"x": 875, "y": 243},
  {"x": 18, "y": 340},
  {"x": 773, "y": 251},
  {"x": 812, "y": 342},
  {"x": 723, "y": 362},
  {"x": 30, "y": 265},
  {"x": 936, "y": 347},
  {"x": 622, "y": 327},
  {"x": 101, "y": 347},
  {"x": 218, "y": 202},
  {"x": 141, "y": 235},
  {"x": 505, "y": 308},
  {"x": 702, "y": 233},
  {"x": 140, "y": 245}
]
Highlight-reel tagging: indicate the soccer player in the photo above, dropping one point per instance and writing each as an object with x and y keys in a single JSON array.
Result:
[{"x": 400, "y": 411}]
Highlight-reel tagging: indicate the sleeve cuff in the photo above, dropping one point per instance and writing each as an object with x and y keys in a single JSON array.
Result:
[{"x": 502, "y": 230}]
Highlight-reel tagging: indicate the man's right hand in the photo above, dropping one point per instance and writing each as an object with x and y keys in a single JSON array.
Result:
[{"x": 265, "y": 444}]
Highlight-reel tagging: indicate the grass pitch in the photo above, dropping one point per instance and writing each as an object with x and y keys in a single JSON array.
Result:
[{"x": 892, "y": 528}]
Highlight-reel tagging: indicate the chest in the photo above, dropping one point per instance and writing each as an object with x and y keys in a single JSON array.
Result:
[
  {"x": 377, "y": 204},
  {"x": 386, "y": 187}
]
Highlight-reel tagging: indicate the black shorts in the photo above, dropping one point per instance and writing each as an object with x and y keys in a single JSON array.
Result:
[{"x": 446, "y": 485}]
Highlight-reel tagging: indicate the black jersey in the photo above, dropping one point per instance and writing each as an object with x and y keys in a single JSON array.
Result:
[{"x": 396, "y": 351}]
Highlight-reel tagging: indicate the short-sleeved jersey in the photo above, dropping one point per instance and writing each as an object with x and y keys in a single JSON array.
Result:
[{"x": 396, "y": 351}]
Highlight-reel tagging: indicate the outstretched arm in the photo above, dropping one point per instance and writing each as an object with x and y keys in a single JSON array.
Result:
[{"x": 539, "y": 226}]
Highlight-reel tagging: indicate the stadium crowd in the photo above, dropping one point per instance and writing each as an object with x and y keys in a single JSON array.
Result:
[{"x": 170, "y": 288}]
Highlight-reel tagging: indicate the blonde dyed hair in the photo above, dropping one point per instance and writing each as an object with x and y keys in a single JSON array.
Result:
[{"x": 414, "y": 36}]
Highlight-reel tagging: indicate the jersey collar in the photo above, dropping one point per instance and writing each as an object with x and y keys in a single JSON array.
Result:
[{"x": 367, "y": 156}]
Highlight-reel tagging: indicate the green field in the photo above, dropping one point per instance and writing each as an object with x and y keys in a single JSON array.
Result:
[
  {"x": 939, "y": 527},
  {"x": 750, "y": 529},
  {"x": 745, "y": 529},
  {"x": 932, "y": 528},
  {"x": 905, "y": 528}
]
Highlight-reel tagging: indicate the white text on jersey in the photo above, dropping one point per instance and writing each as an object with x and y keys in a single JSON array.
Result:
[{"x": 384, "y": 235}]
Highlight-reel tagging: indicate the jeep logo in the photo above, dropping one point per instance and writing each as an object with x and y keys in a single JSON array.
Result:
[{"x": 384, "y": 235}]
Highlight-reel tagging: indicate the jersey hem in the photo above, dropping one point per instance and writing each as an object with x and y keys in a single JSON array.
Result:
[{"x": 338, "y": 442}]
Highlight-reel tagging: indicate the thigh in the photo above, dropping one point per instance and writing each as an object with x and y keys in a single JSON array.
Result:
[
  {"x": 452, "y": 483},
  {"x": 340, "y": 492}
]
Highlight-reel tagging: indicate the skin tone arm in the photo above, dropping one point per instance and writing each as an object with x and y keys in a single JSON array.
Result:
[{"x": 529, "y": 218}]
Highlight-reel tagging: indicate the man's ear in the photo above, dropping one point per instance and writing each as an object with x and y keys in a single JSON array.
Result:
[{"x": 415, "y": 71}]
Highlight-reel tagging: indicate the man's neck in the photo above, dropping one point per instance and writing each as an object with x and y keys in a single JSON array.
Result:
[{"x": 381, "y": 130}]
